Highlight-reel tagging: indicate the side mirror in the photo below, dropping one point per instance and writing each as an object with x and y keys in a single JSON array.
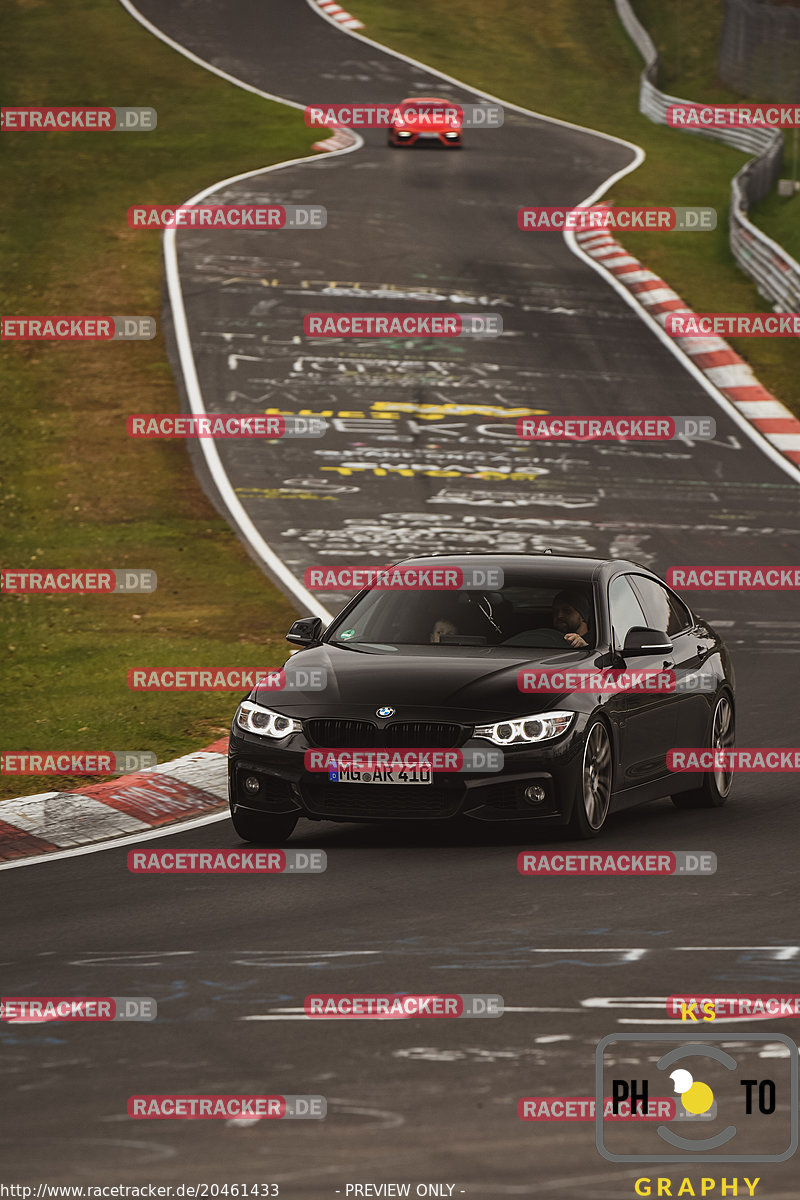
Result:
[
  {"x": 646, "y": 641},
  {"x": 305, "y": 632}
]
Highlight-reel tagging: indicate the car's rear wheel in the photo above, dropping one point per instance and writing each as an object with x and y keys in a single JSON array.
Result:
[
  {"x": 593, "y": 801},
  {"x": 716, "y": 785},
  {"x": 271, "y": 828}
]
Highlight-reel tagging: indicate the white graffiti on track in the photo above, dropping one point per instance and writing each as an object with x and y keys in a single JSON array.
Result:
[
  {"x": 305, "y": 364},
  {"x": 417, "y": 532},
  {"x": 422, "y": 294},
  {"x": 475, "y": 464},
  {"x": 420, "y": 532},
  {"x": 326, "y": 486},
  {"x": 501, "y": 499}
]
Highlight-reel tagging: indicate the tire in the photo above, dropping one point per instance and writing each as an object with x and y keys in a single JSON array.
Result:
[
  {"x": 268, "y": 828},
  {"x": 716, "y": 785},
  {"x": 595, "y": 783}
]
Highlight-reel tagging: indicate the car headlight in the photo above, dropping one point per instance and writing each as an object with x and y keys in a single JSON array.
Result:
[
  {"x": 256, "y": 719},
  {"x": 451, "y": 133},
  {"x": 526, "y": 730}
]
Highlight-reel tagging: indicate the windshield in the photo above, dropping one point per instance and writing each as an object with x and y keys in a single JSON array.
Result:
[
  {"x": 439, "y": 111},
  {"x": 520, "y": 615},
  {"x": 427, "y": 106}
]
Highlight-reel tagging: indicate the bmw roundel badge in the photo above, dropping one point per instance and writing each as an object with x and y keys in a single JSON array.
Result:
[{"x": 386, "y": 711}]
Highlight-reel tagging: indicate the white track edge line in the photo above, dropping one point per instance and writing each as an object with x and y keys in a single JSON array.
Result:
[
  {"x": 727, "y": 405},
  {"x": 261, "y": 549}
]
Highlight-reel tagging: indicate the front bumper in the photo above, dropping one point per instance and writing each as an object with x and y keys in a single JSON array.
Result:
[
  {"x": 411, "y": 138},
  {"x": 285, "y": 786}
]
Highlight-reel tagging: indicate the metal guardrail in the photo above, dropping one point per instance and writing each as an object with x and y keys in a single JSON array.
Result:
[{"x": 774, "y": 271}]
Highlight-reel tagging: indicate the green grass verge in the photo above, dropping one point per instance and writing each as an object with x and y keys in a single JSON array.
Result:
[
  {"x": 76, "y": 492},
  {"x": 572, "y": 59}
]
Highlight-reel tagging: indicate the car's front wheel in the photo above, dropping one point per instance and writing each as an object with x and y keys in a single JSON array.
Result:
[
  {"x": 268, "y": 828},
  {"x": 716, "y": 785},
  {"x": 593, "y": 801}
]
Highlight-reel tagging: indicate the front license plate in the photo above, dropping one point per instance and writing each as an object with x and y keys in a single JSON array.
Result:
[{"x": 383, "y": 775}]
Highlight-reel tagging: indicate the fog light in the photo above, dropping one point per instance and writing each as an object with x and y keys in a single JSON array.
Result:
[
  {"x": 535, "y": 794},
  {"x": 252, "y": 783}
]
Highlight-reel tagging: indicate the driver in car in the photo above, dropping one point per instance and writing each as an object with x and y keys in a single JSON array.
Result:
[
  {"x": 571, "y": 612},
  {"x": 441, "y": 628}
]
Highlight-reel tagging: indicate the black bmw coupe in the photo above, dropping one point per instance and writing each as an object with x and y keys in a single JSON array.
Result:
[{"x": 448, "y": 669}]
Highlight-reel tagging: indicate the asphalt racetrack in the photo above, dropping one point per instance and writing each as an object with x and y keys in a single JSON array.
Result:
[{"x": 230, "y": 958}]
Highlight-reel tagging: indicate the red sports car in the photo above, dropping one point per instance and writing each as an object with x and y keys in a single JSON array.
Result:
[{"x": 426, "y": 118}]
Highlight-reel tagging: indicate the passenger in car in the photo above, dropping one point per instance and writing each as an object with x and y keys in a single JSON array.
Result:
[{"x": 572, "y": 611}]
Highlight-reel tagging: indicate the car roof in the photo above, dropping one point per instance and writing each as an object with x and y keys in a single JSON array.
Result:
[
  {"x": 428, "y": 100},
  {"x": 554, "y": 565}
]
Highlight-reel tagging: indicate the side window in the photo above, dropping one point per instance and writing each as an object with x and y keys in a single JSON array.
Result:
[
  {"x": 626, "y": 612},
  {"x": 664, "y": 611}
]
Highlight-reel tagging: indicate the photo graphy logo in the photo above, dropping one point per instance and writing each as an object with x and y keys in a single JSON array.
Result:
[{"x": 733, "y": 1104}]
